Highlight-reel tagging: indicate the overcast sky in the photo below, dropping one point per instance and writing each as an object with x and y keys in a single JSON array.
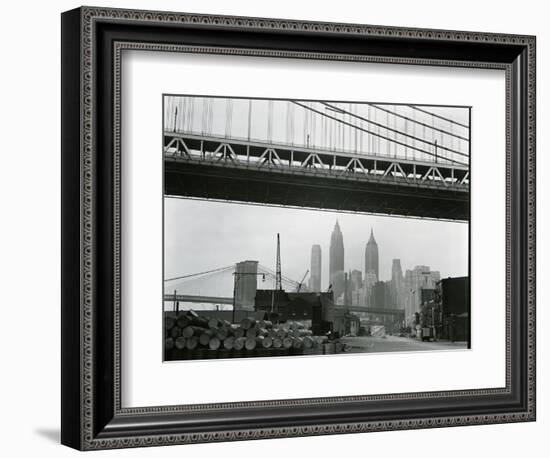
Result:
[{"x": 201, "y": 235}]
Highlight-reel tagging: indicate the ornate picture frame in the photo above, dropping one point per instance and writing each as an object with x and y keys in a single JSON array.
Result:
[{"x": 93, "y": 40}]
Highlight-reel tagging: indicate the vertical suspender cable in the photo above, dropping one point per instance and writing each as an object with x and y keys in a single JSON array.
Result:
[
  {"x": 407, "y": 140},
  {"x": 210, "y": 115},
  {"x": 249, "y": 118},
  {"x": 306, "y": 127},
  {"x": 313, "y": 129},
  {"x": 356, "y": 132},
  {"x": 204, "y": 110},
  {"x": 378, "y": 139},
  {"x": 228, "y": 117},
  {"x": 269, "y": 120},
  {"x": 292, "y": 108},
  {"x": 361, "y": 133}
]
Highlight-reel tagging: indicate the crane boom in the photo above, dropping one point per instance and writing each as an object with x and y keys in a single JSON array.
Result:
[{"x": 302, "y": 282}]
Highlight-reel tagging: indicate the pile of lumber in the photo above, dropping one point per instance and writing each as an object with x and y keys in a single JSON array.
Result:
[{"x": 190, "y": 332}]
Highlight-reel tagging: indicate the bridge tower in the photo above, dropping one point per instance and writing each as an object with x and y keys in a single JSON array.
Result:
[{"x": 246, "y": 285}]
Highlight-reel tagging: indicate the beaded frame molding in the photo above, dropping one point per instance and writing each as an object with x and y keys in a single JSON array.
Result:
[{"x": 93, "y": 40}]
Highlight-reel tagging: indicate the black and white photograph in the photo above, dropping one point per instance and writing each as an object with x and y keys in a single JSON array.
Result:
[
  {"x": 279, "y": 222},
  {"x": 314, "y": 227}
]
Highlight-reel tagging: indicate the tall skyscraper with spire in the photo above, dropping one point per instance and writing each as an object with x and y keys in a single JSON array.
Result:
[
  {"x": 371, "y": 256},
  {"x": 315, "y": 275},
  {"x": 336, "y": 262}
]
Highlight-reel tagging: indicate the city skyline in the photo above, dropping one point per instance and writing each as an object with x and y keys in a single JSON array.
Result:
[{"x": 249, "y": 232}]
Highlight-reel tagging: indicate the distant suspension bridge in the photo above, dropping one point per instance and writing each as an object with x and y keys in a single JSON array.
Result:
[{"x": 188, "y": 289}]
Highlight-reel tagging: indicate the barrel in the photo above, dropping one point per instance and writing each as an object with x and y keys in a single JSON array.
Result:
[
  {"x": 287, "y": 342},
  {"x": 192, "y": 331},
  {"x": 183, "y": 322},
  {"x": 169, "y": 343},
  {"x": 229, "y": 343},
  {"x": 214, "y": 343},
  {"x": 169, "y": 322},
  {"x": 248, "y": 323},
  {"x": 267, "y": 342},
  {"x": 251, "y": 333},
  {"x": 192, "y": 342},
  {"x": 205, "y": 336},
  {"x": 250, "y": 343},
  {"x": 277, "y": 342},
  {"x": 238, "y": 344},
  {"x": 222, "y": 333},
  {"x": 308, "y": 342},
  {"x": 180, "y": 343},
  {"x": 298, "y": 343},
  {"x": 239, "y": 332},
  {"x": 213, "y": 323},
  {"x": 175, "y": 332},
  {"x": 196, "y": 320}
]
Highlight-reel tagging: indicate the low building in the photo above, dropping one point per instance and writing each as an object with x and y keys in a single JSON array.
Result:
[
  {"x": 290, "y": 306},
  {"x": 455, "y": 309}
]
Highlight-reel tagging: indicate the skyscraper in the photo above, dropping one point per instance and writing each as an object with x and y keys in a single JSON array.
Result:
[
  {"x": 371, "y": 255},
  {"x": 370, "y": 281},
  {"x": 418, "y": 279},
  {"x": 396, "y": 284},
  {"x": 315, "y": 276},
  {"x": 336, "y": 262},
  {"x": 357, "y": 291}
]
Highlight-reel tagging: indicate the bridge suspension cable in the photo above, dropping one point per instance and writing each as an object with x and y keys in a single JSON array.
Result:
[
  {"x": 397, "y": 131},
  {"x": 220, "y": 269},
  {"x": 384, "y": 137},
  {"x": 435, "y": 115},
  {"x": 416, "y": 121},
  {"x": 261, "y": 269},
  {"x": 271, "y": 273}
]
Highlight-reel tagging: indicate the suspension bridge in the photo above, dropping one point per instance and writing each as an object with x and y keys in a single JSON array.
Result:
[
  {"x": 403, "y": 160},
  {"x": 221, "y": 284},
  {"x": 225, "y": 291}
]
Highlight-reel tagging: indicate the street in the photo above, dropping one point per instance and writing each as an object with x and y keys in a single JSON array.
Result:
[{"x": 396, "y": 343}]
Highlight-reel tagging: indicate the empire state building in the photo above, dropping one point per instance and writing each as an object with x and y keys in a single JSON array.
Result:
[
  {"x": 336, "y": 262},
  {"x": 371, "y": 256}
]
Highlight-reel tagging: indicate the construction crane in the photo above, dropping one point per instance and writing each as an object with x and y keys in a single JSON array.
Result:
[
  {"x": 278, "y": 276},
  {"x": 302, "y": 282}
]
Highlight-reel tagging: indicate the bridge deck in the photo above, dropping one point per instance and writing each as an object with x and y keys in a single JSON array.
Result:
[
  {"x": 374, "y": 167},
  {"x": 219, "y": 169},
  {"x": 229, "y": 300}
]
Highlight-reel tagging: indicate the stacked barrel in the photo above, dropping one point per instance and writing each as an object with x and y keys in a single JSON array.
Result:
[{"x": 192, "y": 336}]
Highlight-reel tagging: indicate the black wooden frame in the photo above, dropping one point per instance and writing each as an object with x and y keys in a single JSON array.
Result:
[{"x": 92, "y": 39}]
